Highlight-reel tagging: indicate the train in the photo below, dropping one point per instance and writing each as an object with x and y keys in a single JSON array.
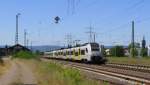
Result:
[{"x": 88, "y": 53}]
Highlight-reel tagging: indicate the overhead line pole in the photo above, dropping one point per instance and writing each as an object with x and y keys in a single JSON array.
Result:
[
  {"x": 25, "y": 37},
  {"x": 16, "y": 37},
  {"x": 133, "y": 39},
  {"x": 90, "y": 34}
]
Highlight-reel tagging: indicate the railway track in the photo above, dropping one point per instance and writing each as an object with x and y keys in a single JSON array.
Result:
[
  {"x": 135, "y": 67},
  {"x": 112, "y": 73},
  {"x": 116, "y": 76}
]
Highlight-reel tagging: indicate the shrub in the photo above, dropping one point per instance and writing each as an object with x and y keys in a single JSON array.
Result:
[
  {"x": 117, "y": 51},
  {"x": 134, "y": 52},
  {"x": 144, "y": 52},
  {"x": 25, "y": 55}
]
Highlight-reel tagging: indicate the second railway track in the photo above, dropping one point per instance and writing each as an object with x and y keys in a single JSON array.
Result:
[
  {"x": 113, "y": 74},
  {"x": 135, "y": 67}
]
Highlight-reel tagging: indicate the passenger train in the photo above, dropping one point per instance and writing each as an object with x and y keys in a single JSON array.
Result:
[{"x": 89, "y": 52}]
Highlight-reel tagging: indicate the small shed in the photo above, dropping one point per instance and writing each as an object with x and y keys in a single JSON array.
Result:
[
  {"x": 2, "y": 51},
  {"x": 17, "y": 48}
]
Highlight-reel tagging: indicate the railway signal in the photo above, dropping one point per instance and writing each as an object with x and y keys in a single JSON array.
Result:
[{"x": 57, "y": 19}]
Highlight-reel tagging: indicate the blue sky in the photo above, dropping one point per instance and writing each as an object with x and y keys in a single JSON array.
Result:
[{"x": 111, "y": 20}]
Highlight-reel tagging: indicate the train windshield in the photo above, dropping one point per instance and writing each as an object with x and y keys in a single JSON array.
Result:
[{"x": 94, "y": 46}]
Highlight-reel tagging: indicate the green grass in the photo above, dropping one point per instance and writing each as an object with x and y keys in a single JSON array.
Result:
[
  {"x": 24, "y": 55},
  {"x": 128, "y": 60},
  {"x": 56, "y": 74}
]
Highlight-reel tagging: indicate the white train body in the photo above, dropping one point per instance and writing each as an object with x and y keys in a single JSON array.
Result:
[{"x": 89, "y": 52}]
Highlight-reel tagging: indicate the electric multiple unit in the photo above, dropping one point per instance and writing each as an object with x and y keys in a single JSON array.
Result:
[{"x": 89, "y": 52}]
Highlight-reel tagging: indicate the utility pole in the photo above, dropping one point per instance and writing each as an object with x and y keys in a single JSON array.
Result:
[
  {"x": 132, "y": 44},
  {"x": 25, "y": 38},
  {"x": 27, "y": 43},
  {"x": 69, "y": 40},
  {"x": 90, "y": 32},
  {"x": 77, "y": 42},
  {"x": 94, "y": 37},
  {"x": 16, "y": 37},
  {"x": 115, "y": 45},
  {"x": 31, "y": 46}
]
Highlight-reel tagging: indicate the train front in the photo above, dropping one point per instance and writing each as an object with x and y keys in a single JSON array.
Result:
[{"x": 96, "y": 55}]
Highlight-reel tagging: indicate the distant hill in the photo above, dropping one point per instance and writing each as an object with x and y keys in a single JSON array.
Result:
[{"x": 108, "y": 47}]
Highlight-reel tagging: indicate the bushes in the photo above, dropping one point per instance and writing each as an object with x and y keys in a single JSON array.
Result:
[
  {"x": 25, "y": 55},
  {"x": 117, "y": 51},
  {"x": 144, "y": 52},
  {"x": 134, "y": 52}
]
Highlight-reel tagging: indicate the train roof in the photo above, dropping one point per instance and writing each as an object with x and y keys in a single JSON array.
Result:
[{"x": 75, "y": 46}]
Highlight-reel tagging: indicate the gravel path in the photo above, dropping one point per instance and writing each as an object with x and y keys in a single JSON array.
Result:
[{"x": 19, "y": 74}]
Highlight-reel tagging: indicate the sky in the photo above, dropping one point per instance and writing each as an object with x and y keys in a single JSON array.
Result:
[{"x": 110, "y": 20}]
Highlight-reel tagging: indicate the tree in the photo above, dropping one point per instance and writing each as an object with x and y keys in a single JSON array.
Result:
[
  {"x": 133, "y": 51},
  {"x": 144, "y": 52},
  {"x": 143, "y": 42},
  {"x": 136, "y": 45},
  {"x": 117, "y": 51}
]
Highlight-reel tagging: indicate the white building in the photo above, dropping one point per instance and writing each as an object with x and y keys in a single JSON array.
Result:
[
  {"x": 148, "y": 50},
  {"x": 107, "y": 52}
]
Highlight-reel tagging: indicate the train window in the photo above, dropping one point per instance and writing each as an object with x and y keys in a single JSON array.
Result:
[
  {"x": 86, "y": 50},
  {"x": 55, "y": 54},
  {"x": 82, "y": 52},
  {"x": 61, "y": 53},
  {"x": 71, "y": 52},
  {"x": 68, "y": 52},
  {"x": 64, "y": 54},
  {"x": 76, "y": 53},
  {"x": 95, "y": 49}
]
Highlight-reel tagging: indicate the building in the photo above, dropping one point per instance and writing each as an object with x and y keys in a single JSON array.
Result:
[
  {"x": 107, "y": 52},
  {"x": 3, "y": 52},
  {"x": 17, "y": 48},
  {"x": 12, "y": 49},
  {"x": 126, "y": 52}
]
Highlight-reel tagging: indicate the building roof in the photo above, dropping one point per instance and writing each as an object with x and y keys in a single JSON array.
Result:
[{"x": 19, "y": 47}]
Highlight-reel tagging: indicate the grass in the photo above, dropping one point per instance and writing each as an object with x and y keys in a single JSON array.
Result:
[
  {"x": 128, "y": 60},
  {"x": 25, "y": 55},
  {"x": 48, "y": 73}
]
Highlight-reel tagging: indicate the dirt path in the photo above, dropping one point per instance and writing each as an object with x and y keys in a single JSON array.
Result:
[{"x": 19, "y": 73}]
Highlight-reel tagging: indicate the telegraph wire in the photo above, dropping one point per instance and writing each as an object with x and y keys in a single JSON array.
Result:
[
  {"x": 136, "y": 4},
  {"x": 125, "y": 25},
  {"x": 143, "y": 20}
]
